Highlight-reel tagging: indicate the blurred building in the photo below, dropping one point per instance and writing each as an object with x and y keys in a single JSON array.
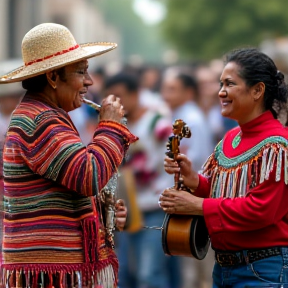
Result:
[
  {"x": 82, "y": 17},
  {"x": 277, "y": 49}
]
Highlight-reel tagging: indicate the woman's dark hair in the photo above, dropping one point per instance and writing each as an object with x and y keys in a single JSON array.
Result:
[
  {"x": 256, "y": 67},
  {"x": 38, "y": 83}
]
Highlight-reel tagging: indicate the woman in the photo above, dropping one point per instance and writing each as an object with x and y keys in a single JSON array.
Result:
[
  {"x": 242, "y": 191},
  {"x": 54, "y": 234}
]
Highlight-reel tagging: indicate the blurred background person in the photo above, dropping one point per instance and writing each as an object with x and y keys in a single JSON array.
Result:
[
  {"x": 180, "y": 91},
  {"x": 150, "y": 83},
  {"x": 208, "y": 87},
  {"x": 143, "y": 263}
]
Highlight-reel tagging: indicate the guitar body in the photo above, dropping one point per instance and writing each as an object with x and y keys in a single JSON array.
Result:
[{"x": 185, "y": 235}]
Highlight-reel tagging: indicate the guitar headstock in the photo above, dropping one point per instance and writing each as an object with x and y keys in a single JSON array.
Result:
[{"x": 180, "y": 130}]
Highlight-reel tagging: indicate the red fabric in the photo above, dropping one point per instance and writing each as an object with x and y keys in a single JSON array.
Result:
[{"x": 258, "y": 219}]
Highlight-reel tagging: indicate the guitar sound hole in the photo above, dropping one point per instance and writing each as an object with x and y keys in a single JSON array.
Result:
[{"x": 202, "y": 234}]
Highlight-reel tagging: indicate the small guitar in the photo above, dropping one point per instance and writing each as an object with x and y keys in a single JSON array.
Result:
[{"x": 183, "y": 235}]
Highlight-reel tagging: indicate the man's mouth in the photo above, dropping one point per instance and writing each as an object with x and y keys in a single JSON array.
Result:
[{"x": 82, "y": 94}]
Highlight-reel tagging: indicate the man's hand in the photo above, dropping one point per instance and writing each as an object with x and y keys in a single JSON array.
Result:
[
  {"x": 111, "y": 109},
  {"x": 121, "y": 214}
]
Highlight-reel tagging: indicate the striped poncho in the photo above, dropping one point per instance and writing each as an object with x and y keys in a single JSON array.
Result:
[{"x": 53, "y": 228}]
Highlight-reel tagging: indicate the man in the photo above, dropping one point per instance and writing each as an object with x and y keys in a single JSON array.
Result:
[
  {"x": 140, "y": 252},
  {"x": 54, "y": 233},
  {"x": 180, "y": 92}
]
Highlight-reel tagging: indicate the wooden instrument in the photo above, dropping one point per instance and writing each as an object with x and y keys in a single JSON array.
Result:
[{"x": 183, "y": 235}]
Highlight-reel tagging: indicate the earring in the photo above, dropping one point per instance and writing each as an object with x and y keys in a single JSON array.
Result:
[{"x": 54, "y": 86}]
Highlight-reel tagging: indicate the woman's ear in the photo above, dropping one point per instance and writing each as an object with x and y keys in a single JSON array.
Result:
[
  {"x": 258, "y": 91},
  {"x": 51, "y": 78}
]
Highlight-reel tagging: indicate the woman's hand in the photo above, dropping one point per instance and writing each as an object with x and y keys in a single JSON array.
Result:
[
  {"x": 111, "y": 109},
  {"x": 121, "y": 214},
  {"x": 184, "y": 166},
  {"x": 174, "y": 201}
]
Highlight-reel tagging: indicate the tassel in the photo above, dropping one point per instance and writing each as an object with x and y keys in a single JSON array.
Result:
[
  {"x": 72, "y": 280},
  {"x": 230, "y": 184},
  {"x": 214, "y": 183},
  {"x": 263, "y": 166},
  {"x": 19, "y": 282},
  {"x": 269, "y": 157},
  {"x": 50, "y": 279},
  {"x": 218, "y": 186},
  {"x": 279, "y": 165},
  {"x": 106, "y": 278},
  {"x": 90, "y": 228},
  {"x": 12, "y": 280},
  {"x": 3, "y": 277},
  {"x": 235, "y": 182},
  {"x": 28, "y": 284},
  {"x": 79, "y": 280},
  {"x": 223, "y": 185},
  {"x": 42, "y": 279},
  {"x": 286, "y": 168},
  {"x": 7, "y": 278}
]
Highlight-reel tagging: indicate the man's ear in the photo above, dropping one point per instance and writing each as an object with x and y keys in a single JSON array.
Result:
[
  {"x": 258, "y": 91},
  {"x": 51, "y": 78}
]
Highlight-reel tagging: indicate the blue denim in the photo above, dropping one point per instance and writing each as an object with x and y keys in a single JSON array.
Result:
[
  {"x": 268, "y": 272},
  {"x": 142, "y": 262}
]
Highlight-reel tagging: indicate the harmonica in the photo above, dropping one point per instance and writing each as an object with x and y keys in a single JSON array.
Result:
[
  {"x": 97, "y": 107},
  {"x": 92, "y": 104}
]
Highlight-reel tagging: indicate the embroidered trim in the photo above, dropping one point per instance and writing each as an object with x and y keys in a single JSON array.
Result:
[
  {"x": 248, "y": 155},
  {"x": 232, "y": 177},
  {"x": 237, "y": 139}
]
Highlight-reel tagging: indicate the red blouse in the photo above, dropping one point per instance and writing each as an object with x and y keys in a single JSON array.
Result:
[{"x": 256, "y": 219}]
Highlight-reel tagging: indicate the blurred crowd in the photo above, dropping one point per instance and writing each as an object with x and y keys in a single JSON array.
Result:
[{"x": 153, "y": 97}]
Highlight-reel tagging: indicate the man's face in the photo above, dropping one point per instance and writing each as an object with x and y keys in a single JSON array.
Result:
[
  {"x": 71, "y": 90},
  {"x": 173, "y": 92},
  {"x": 128, "y": 98}
]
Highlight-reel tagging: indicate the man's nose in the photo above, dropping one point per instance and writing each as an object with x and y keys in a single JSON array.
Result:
[{"x": 88, "y": 80}]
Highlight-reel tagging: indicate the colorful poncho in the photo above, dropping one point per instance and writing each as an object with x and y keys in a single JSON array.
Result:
[{"x": 53, "y": 228}]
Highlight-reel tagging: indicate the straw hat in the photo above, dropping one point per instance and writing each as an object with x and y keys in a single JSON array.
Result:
[
  {"x": 49, "y": 46},
  {"x": 13, "y": 89}
]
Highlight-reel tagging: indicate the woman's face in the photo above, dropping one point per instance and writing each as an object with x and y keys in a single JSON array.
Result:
[
  {"x": 236, "y": 98},
  {"x": 71, "y": 90}
]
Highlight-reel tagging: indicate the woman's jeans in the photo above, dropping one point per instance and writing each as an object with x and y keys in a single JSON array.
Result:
[{"x": 268, "y": 272}]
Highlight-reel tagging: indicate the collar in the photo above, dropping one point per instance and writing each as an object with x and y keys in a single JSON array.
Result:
[{"x": 252, "y": 133}]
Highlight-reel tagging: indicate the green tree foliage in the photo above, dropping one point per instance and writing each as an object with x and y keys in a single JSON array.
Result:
[
  {"x": 137, "y": 38},
  {"x": 209, "y": 28}
]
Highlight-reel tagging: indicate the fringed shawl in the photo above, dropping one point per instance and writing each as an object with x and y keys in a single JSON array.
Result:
[{"x": 233, "y": 177}]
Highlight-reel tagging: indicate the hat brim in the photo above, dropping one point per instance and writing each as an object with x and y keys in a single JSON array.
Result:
[{"x": 84, "y": 51}]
